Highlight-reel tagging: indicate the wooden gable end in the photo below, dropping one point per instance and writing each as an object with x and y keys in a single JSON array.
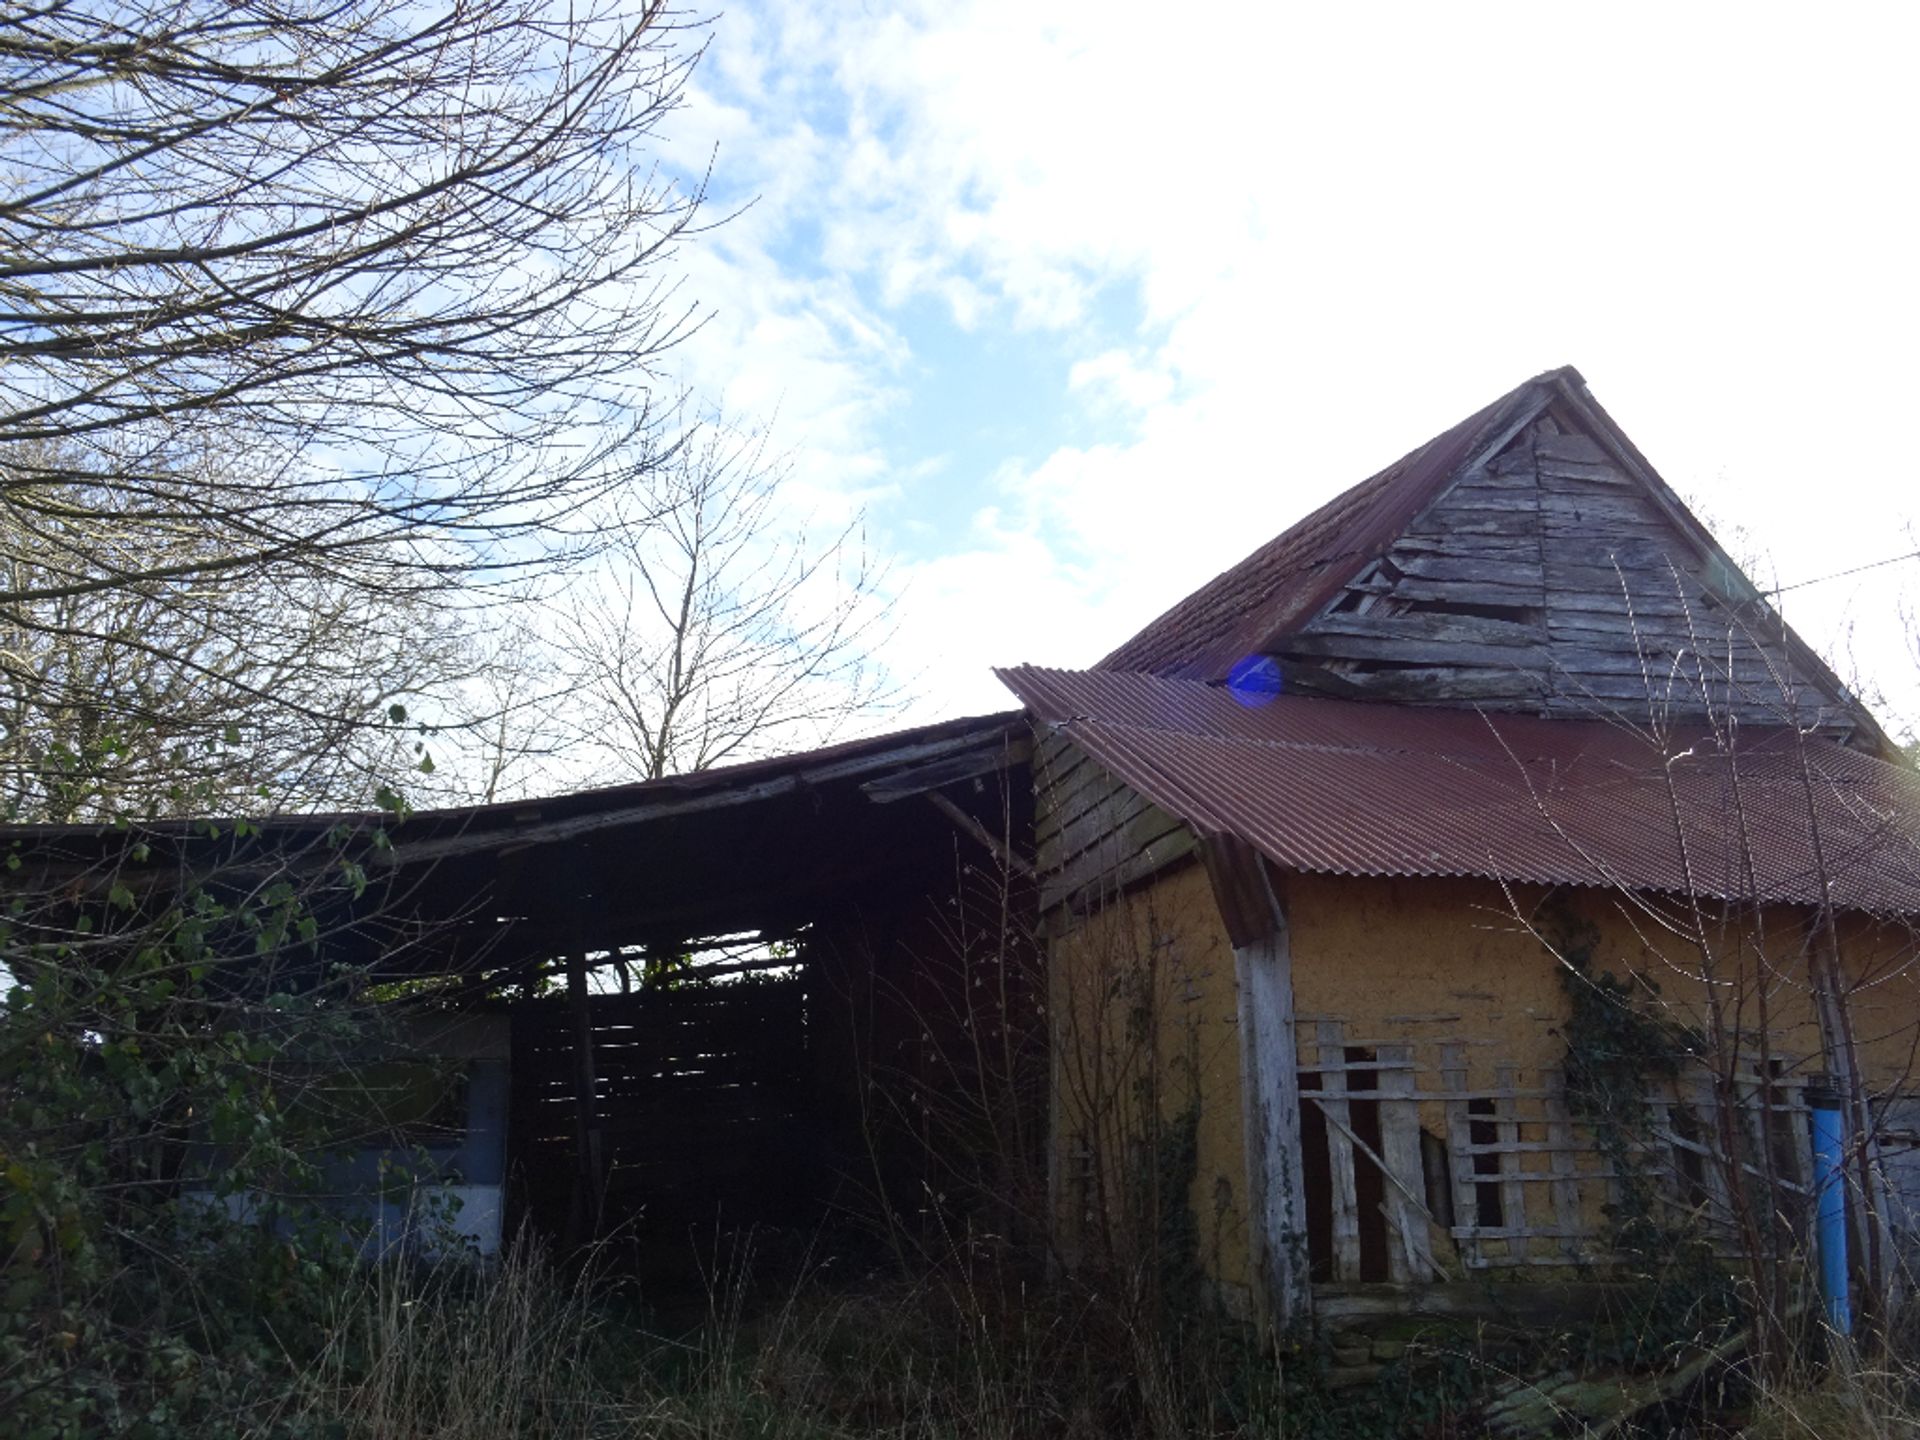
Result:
[{"x": 1555, "y": 575}]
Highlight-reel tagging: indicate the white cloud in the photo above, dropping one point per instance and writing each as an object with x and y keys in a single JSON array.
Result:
[{"x": 1343, "y": 228}]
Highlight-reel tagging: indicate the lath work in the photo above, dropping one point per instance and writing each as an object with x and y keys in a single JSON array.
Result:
[{"x": 1427, "y": 1160}]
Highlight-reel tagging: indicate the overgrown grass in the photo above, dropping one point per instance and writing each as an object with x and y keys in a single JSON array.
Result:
[
  {"x": 525, "y": 1351},
  {"x": 455, "y": 1352},
  {"x": 1847, "y": 1399}
]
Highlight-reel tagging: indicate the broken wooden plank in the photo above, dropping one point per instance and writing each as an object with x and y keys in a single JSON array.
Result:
[
  {"x": 1478, "y": 572},
  {"x": 1559, "y": 474},
  {"x": 1429, "y": 625},
  {"x": 1453, "y": 1079},
  {"x": 1571, "y": 446},
  {"x": 1331, "y": 1097},
  {"x": 1441, "y": 684},
  {"x": 1455, "y": 592},
  {"x": 1410, "y": 1257},
  {"x": 1414, "y": 651},
  {"x": 589, "y": 1184},
  {"x": 1565, "y": 1191},
  {"x": 1486, "y": 536},
  {"x": 995, "y": 845},
  {"x": 990, "y": 759}
]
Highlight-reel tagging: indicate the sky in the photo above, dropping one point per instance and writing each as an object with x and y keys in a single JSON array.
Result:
[{"x": 1077, "y": 303}]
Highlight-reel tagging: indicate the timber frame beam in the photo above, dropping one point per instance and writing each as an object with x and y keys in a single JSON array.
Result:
[{"x": 1256, "y": 921}]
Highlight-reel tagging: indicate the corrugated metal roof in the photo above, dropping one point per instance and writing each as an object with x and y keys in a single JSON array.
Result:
[
  {"x": 1348, "y": 788},
  {"x": 1286, "y": 581}
]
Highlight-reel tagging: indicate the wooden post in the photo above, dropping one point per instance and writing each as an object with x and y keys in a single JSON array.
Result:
[
  {"x": 1409, "y": 1257},
  {"x": 1269, "y": 1078},
  {"x": 1564, "y": 1189},
  {"x": 1466, "y": 1195},
  {"x": 583, "y": 1219},
  {"x": 1332, "y": 1064},
  {"x": 1513, "y": 1192}
]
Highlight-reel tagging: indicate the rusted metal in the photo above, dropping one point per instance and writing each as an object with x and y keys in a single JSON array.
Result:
[
  {"x": 1287, "y": 580},
  {"x": 1349, "y": 788}
]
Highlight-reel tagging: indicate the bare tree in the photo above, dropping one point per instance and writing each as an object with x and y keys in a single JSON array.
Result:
[
  {"x": 721, "y": 631},
  {"x": 233, "y": 692},
  {"x": 311, "y": 315},
  {"x": 509, "y": 729},
  {"x": 398, "y": 259}
]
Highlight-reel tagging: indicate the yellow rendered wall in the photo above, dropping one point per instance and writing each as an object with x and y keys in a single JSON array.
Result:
[
  {"x": 1415, "y": 957},
  {"x": 1425, "y": 962},
  {"x": 1144, "y": 1003},
  {"x": 1146, "y": 1031}
]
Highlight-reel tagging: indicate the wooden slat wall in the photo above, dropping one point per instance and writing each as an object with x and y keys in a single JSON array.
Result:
[
  {"x": 1545, "y": 1169},
  {"x": 1587, "y": 574},
  {"x": 699, "y": 1094},
  {"x": 1094, "y": 835}
]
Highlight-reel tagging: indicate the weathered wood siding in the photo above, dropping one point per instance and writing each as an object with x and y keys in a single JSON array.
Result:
[
  {"x": 1551, "y": 578},
  {"x": 1093, "y": 834},
  {"x": 699, "y": 1095}
]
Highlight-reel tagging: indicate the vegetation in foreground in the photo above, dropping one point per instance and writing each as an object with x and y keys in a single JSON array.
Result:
[
  {"x": 405, "y": 1351},
  {"x": 524, "y": 1351}
]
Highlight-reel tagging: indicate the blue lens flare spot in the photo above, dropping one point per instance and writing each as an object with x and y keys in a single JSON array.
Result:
[{"x": 1255, "y": 680}]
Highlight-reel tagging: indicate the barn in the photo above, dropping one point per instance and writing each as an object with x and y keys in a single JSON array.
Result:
[
  {"x": 671, "y": 1014},
  {"x": 1477, "y": 862},
  {"x": 1354, "y": 864}
]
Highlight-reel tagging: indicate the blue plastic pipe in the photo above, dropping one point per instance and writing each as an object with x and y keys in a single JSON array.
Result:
[{"x": 1830, "y": 1213}]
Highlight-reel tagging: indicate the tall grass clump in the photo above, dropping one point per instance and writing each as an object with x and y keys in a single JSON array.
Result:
[{"x": 422, "y": 1352}]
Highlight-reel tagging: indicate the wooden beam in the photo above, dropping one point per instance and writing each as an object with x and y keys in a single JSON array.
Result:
[
  {"x": 662, "y": 800},
  {"x": 1269, "y": 1079},
  {"x": 1329, "y": 1037},
  {"x": 1402, "y": 1201},
  {"x": 1000, "y": 851},
  {"x": 589, "y": 1183},
  {"x": 1411, "y": 1259},
  {"x": 991, "y": 759}
]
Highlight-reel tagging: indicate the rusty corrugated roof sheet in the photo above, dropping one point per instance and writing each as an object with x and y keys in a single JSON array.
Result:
[
  {"x": 1349, "y": 788},
  {"x": 1286, "y": 581}
]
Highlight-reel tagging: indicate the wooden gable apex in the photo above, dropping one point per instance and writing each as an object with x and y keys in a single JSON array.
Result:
[{"x": 1554, "y": 572}]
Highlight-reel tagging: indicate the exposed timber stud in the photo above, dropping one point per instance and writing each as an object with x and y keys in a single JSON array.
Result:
[
  {"x": 993, "y": 844},
  {"x": 589, "y": 1182},
  {"x": 1269, "y": 1077}
]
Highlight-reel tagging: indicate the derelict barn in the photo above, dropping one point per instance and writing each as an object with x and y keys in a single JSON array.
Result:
[
  {"x": 752, "y": 998},
  {"x": 1269, "y": 916},
  {"x": 1345, "y": 821}
]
